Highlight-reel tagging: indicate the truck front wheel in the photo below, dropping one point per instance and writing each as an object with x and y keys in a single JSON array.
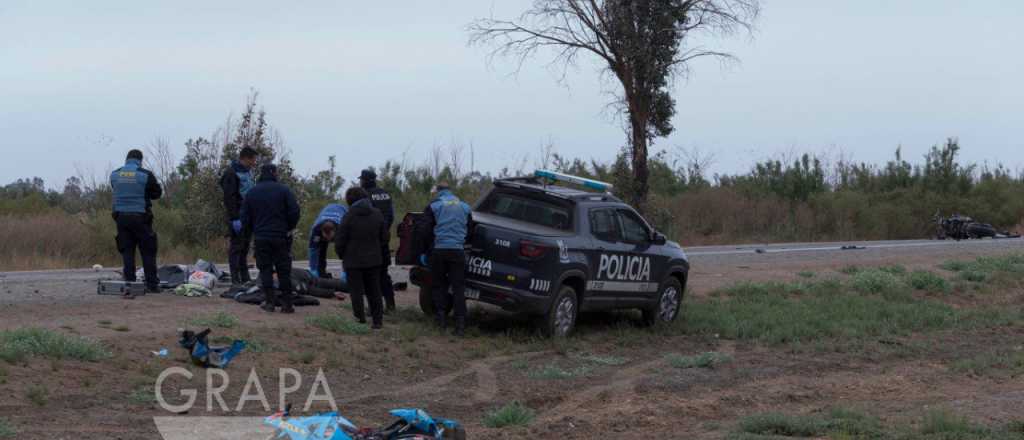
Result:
[
  {"x": 560, "y": 320},
  {"x": 665, "y": 310}
]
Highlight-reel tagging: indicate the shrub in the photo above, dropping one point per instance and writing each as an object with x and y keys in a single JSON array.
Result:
[
  {"x": 927, "y": 281},
  {"x": 945, "y": 422},
  {"x": 512, "y": 414},
  {"x": 15, "y": 345}
]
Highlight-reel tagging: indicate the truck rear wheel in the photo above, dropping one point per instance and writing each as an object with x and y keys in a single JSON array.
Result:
[
  {"x": 670, "y": 299},
  {"x": 427, "y": 303},
  {"x": 560, "y": 320}
]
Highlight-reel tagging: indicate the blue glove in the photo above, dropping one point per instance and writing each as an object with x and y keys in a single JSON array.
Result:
[
  {"x": 423, "y": 260},
  {"x": 344, "y": 277},
  {"x": 315, "y": 273},
  {"x": 237, "y": 226}
]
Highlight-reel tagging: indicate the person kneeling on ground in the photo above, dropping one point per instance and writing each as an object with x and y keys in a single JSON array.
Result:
[
  {"x": 321, "y": 235},
  {"x": 361, "y": 236},
  {"x": 270, "y": 213}
]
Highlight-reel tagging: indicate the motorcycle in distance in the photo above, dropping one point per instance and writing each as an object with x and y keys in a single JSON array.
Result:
[
  {"x": 960, "y": 227},
  {"x": 412, "y": 424}
]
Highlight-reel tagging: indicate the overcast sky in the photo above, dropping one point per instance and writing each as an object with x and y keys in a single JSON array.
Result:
[{"x": 82, "y": 82}]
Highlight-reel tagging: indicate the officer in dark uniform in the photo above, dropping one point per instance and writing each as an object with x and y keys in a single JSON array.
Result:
[
  {"x": 382, "y": 201},
  {"x": 235, "y": 182},
  {"x": 134, "y": 190},
  {"x": 270, "y": 213},
  {"x": 445, "y": 228}
]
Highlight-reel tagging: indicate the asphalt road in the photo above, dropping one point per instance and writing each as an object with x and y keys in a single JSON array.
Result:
[{"x": 711, "y": 265}]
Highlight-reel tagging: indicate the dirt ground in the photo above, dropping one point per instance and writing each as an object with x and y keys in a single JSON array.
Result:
[{"x": 409, "y": 365}]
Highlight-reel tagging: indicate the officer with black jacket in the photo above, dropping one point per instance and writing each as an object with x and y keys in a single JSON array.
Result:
[
  {"x": 360, "y": 240},
  {"x": 134, "y": 190},
  {"x": 270, "y": 213},
  {"x": 381, "y": 200},
  {"x": 235, "y": 182}
]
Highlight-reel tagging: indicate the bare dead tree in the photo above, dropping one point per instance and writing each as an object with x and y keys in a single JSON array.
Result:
[
  {"x": 644, "y": 44},
  {"x": 161, "y": 160},
  {"x": 547, "y": 153}
]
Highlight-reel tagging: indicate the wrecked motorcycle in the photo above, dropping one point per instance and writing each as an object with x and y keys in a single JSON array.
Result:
[
  {"x": 960, "y": 227},
  {"x": 412, "y": 424}
]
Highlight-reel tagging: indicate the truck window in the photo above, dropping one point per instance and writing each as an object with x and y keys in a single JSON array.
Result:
[
  {"x": 604, "y": 225},
  {"x": 634, "y": 230},
  {"x": 530, "y": 210}
]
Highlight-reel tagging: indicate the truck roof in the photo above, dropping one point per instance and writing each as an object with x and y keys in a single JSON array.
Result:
[{"x": 534, "y": 184}]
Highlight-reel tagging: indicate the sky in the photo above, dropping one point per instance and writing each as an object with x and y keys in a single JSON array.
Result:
[{"x": 83, "y": 82}]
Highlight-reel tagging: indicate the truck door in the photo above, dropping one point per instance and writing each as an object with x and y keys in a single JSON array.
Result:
[
  {"x": 607, "y": 254},
  {"x": 644, "y": 269}
]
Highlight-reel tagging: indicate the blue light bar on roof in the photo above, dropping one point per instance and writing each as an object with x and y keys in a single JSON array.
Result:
[{"x": 559, "y": 177}]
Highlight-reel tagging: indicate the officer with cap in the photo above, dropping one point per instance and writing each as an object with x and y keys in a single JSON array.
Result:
[
  {"x": 134, "y": 190},
  {"x": 381, "y": 200}
]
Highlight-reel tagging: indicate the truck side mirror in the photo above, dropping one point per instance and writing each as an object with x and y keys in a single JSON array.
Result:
[{"x": 658, "y": 238}]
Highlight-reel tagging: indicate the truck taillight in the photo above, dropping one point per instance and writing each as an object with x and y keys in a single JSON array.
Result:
[{"x": 530, "y": 249}]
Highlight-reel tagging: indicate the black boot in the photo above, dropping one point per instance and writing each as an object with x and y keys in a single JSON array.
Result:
[
  {"x": 460, "y": 327},
  {"x": 235, "y": 282},
  {"x": 441, "y": 321},
  {"x": 286, "y": 304},
  {"x": 269, "y": 300}
]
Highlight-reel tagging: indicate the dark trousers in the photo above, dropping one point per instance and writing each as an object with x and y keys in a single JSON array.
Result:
[
  {"x": 275, "y": 255},
  {"x": 136, "y": 231},
  {"x": 387, "y": 287},
  {"x": 366, "y": 282},
  {"x": 448, "y": 269},
  {"x": 238, "y": 253},
  {"x": 321, "y": 263}
]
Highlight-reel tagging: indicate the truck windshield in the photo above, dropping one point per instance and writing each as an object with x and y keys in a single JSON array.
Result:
[{"x": 527, "y": 209}]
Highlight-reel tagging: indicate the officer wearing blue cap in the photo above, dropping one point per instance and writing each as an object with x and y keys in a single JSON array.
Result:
[{"x": 134, "y": 190}]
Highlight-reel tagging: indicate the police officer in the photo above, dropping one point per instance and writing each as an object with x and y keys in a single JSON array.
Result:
[
  {"x": 270, "y": 213},
  {"x": 322, "y": 235},
  {"x": 361, "y": 238},
  {"x": 381, "y": 200},
  {"x": 446, "y": 223},
  {"x": 235, "y": 182},
  {"x": 134, "y": 190}
]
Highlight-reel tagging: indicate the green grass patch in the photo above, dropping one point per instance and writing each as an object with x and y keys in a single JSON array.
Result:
[
  {"x": 6, "y": 430},
  {"x": 927, "y": 281},
  {"x": 948, "y": 424},
  {"x": 704, "y": 360},
  {"x": 337, "y": 324},
  {"x": 512, "y": 414},
  {"x": 991, "y": 364},
  {"x": 219, "y": 320},
  {"x": 104, "y": 322},
  {"x": 778, "y": 424},
  {"x": 847, "y": 424},
  {"x": 611, "y": 361},
  {"x": 16, "y": 345},
  {"x": 876, "y": 281},
  {"x": 777, "y": 313},
  {"x": 38, "y": 395},
  {"x": 554, "y": 372},
  {"x": 142, "y": 396},
  {"x": 805, "y": 274},
  {"x": 122, "y": 328},
  {"x": 1005, "y": 270}
]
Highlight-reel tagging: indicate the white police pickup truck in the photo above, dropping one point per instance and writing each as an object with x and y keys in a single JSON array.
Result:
[{"x": 552, "y": 251}]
